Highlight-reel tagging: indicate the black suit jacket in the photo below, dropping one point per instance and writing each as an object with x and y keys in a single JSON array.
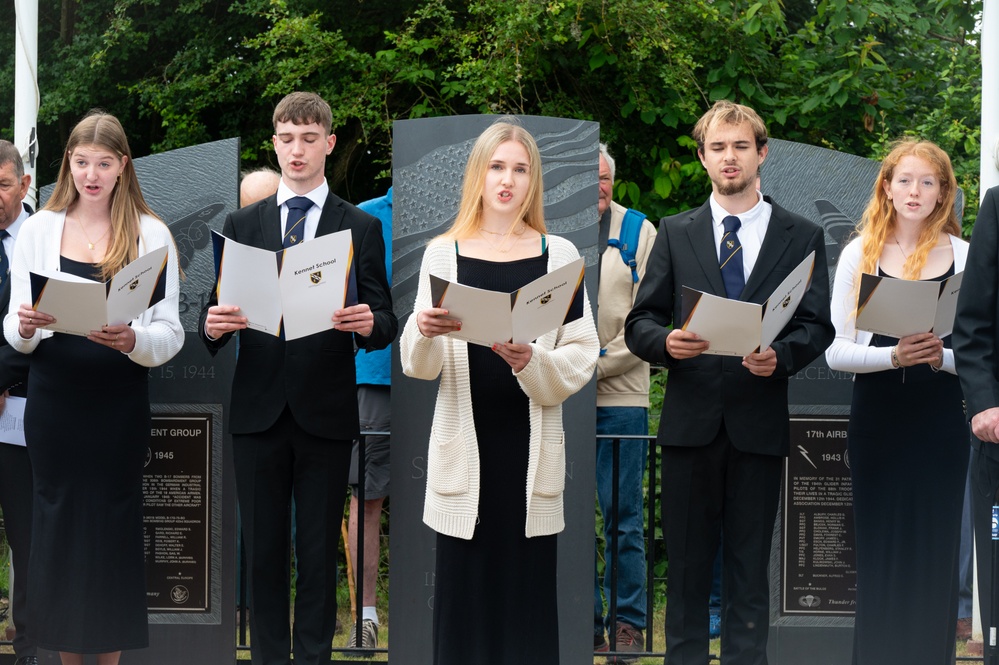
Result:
[
  {"x": 975, "y": 341},
  {"x": 706, "y": 391},
  {"x": 313, "y": 375},
  {"x": 13, "y": 364}
]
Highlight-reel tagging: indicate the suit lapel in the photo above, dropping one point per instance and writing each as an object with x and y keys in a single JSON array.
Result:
[
  {"x": 702, "y": 242},
  {"x": 270, "y": 224},
  {"x": 332, "y": 218},
  {"x": 775, "y": 243}
]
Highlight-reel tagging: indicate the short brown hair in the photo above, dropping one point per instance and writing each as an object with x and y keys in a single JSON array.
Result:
[
  {"x": 304, "y": 108},
  {"x": 732, "y": 114},
  {"x": 9, "y": 154}
]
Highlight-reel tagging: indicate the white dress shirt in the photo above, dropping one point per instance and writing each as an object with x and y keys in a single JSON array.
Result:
[
  {"x": 318, "y": 198},
  {"x": 754, "y": 227}
]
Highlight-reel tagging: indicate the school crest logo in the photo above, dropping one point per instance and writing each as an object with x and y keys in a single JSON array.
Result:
[
  {"x": 545, "y": 299},
  {"x": 133, "y": 285},
  {"x": 316, "y": 277}
]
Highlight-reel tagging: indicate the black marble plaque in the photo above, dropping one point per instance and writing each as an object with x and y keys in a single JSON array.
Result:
[
  {"x": 176, "y": 487},
  {"x": 818, "y": 557}
]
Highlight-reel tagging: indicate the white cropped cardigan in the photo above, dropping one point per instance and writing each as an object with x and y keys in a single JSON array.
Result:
[
  {"x": 851, "y": 350},
  {"x": 158, "y": 332}
]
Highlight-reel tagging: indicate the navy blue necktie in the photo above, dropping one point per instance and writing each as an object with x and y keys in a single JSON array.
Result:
[
  {"x": 4, "y": 261},
  {"x": 730, "y": 258},
  {"x": 294, "y": 226}
]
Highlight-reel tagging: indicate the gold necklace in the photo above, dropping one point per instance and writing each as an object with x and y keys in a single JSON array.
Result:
[
  {"x": 498, "y": 248},
  {"x": 519, "y": 232},
  {"x": 904, "y": 255},
  {"x": 90, "y": 243}
]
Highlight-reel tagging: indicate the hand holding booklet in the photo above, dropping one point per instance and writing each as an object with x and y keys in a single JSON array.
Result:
[
  {"x": 902, "y": 307},
  {"x": 295, "y": 289},
  {"x": 488, "y": 317},
  {"x": 80, "y": 305},
  {"x": 737, "y": 328}
]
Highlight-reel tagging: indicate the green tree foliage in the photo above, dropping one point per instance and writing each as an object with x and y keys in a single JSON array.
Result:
[{"x": 843, "y": 74}]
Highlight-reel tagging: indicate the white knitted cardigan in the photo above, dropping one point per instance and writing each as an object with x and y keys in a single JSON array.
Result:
[{"x": 561, "y": 363}]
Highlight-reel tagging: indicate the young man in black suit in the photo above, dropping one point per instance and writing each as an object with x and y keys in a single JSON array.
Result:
[
  {"x": 976, "y": 354},
  {"x": 294, "y": 403},
  {"x": 724, "y": 426}
]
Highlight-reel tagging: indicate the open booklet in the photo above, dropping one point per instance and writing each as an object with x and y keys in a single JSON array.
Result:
[
  {"x": 737, "y": 328},
  {"x": 901, "y": 307},
  {"x": 81, "y": 305},
  {"x": 12, "y": 421},
  {"x": 488, "y": 317},
  {"x": 295, "y": 289}
]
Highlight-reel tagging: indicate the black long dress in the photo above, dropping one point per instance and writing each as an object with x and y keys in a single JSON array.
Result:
[
  {"x": 908, "y": 442},
  {"x": 495, "y": 599},
  {"x": 87, "y": 424}
]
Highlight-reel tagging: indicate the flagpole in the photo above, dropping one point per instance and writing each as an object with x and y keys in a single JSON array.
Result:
[
  {"x": 990, "y": 96},
  {"x": 26, "y": 93}
]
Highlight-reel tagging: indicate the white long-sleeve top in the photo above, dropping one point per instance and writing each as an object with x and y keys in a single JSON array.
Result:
[
  {"x": 562, "y": 362},
  {"x": 851, "y": 350},
  {"x": 158, "y": 332}
]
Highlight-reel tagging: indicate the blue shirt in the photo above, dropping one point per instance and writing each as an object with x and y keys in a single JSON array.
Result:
[{"x": 375, "y": 367}]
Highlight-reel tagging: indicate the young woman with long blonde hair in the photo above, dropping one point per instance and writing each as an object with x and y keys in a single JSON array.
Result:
[
  {"x": 496, "y": 462},
  {"x": 87, "y": 416}
]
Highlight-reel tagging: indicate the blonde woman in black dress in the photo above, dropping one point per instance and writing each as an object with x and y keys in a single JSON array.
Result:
[{"x": 496, "y": 463}]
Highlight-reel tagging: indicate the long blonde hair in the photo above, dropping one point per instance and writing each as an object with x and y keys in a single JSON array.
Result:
[
  {"x": 103, "y": 130},
  {"x": 878, "y": 220},
  {"x": 470, "y": 210}
]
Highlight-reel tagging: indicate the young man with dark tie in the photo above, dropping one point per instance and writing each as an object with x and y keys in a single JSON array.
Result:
[
  {"x": 724, "y": 428},
  {"x": 293, "y": 414}
]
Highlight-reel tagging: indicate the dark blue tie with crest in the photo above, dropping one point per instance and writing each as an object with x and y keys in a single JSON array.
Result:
[
  {"x": 294, "y": 227},
  {"x": 730, "y": 258}
]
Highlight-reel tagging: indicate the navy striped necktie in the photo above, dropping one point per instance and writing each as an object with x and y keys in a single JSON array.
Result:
[{"x": 730, "y": 258}]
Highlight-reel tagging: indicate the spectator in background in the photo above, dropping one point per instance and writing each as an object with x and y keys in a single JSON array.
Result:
[
  {"x": 257, "y": 185},
  {"x": 622, "y": 408},
  {"x": 15, "y": 465},
  {"x": 374, "y": 376}
]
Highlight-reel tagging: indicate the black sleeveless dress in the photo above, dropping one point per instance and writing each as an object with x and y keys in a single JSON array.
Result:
[
  {"x": 86, "y": 424},
  {"x": 908, "y": 442},
  {"x": 495, "y": 599}
]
